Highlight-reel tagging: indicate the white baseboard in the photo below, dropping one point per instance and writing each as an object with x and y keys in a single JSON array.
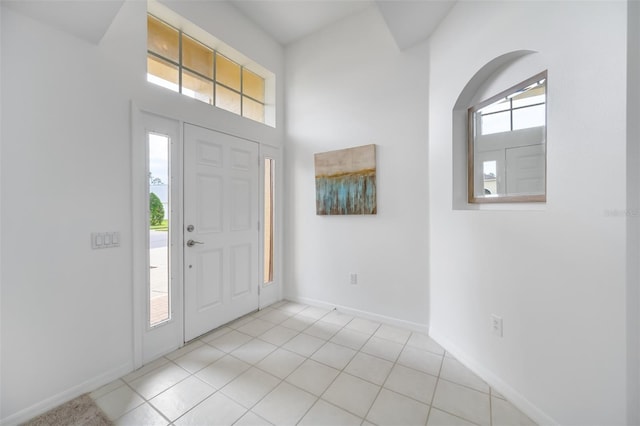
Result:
[
  {"x": 67, "y": 395},
  {"x": 514, "y": 397},
  {"x": 413, "y": 326}
]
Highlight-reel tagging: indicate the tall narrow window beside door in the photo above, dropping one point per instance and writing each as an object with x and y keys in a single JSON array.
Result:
[
  {"x": 183, "y": 64},
  {"x": 159, "y": 216},
  {"x": 268, "y": 219}
]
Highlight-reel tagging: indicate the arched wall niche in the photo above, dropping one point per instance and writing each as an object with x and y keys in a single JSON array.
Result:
[{"x": 495, "y": 76}]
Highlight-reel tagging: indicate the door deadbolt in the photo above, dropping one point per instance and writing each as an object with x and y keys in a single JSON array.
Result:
[{"x": 190, "y": 228}]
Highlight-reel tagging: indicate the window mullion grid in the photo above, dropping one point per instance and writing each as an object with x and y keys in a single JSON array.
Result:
[
  {"x": 511, "y": 112},
  {"x": 172, "y": 62},
  {"x": 215, "y": 82}
]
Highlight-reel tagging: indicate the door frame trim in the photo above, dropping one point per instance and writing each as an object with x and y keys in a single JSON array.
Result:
[{"x": 269, "y": 293}]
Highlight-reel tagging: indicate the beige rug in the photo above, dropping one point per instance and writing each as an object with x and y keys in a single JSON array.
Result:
[{"x": 81, "y": 411}]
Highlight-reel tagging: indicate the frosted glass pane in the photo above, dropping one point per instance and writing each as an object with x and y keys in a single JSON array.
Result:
[
  {"x": 162, "y": 39},
  {"x": 227, "y": 72},
  {"x": 227, "y": 99},
  {"x": 252, "y": 109},
  {"x": 162, "y": 73},
  {"x": 197, "y": 87},
  {"x": 197, "y": 57},
  {"x": 252, "y": 85}
]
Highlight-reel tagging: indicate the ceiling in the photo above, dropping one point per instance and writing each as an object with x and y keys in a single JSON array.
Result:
[
  {"x": 87, "y": 19},
  {"x": 409, "y": 21}
]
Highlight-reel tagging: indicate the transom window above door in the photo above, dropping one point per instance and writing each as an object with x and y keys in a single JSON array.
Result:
[{"x": 181, "y": 63}]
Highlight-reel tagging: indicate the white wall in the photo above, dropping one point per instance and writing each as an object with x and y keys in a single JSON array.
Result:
[
  {"x": 347, "y": 86},
  {"x": 554, "y": 272},
  {"x": 66, "y": 312}
]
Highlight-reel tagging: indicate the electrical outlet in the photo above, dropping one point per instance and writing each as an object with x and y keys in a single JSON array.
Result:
[
  {"x": 496, "y": 325},
  {"x": 353, "y": 279}
]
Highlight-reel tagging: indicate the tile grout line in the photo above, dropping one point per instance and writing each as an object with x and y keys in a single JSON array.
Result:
[
  {"x": 242, "y": 321},
  {"x": 388, "y": 374},
  {"x": 282, "y": 380},
  {"x": 319, "y": 397},
  {"x": 435, "y": 388},
  {"x": 193, "y": 374},
  {"x": 251, "y": 365}
]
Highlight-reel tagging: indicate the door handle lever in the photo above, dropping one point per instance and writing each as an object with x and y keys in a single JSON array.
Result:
[{"x": 192, "y": 243}]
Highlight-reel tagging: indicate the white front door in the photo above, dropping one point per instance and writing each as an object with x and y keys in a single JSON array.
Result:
[{"x": 221, "y": 239}]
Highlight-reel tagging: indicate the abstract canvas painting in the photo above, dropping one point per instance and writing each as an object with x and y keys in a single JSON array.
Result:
[{"x": 346, "y": 181}]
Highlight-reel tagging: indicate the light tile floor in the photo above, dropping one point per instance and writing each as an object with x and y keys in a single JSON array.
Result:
[{"x": 294, "y": 364}]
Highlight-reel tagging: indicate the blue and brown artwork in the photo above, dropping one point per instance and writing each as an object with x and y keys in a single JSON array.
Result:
[{"x": 346, "y": 181}]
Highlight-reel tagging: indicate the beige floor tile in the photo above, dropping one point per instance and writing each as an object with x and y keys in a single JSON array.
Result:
[
  {"x": 363, "y": 326},
  {"x": 278, "y": 335},
  {"x": 323, "y": 330},
  {"x": 250, "y": 387},
  {"x": 336, "y": 356},
  {"x": 159, "y": 380},
  {"x": 424, "y": 361},
  {"x": 392, "y": 409},
  {"x": 325, "y": 414},
  {"x": 350, "y": 338},
  {"x": 222, "y": 371},
  {"x": 440, "y": 418},
  {"x": 313, "y": 312},
  {"x": 217, "y": 409},
  {"x": 313, "y": 377},
  {"x": 352, "y": 394},
  {"x": 337, "y": 318},
  {"x": 292, "y": 363},
  {"x": 411, "y": 383},
  {"x": 285, "y": 405},
  {"x": 199, "y": 358},
  {"x": 303, "y": 344},
  {"x": 252, "y": 419},
  {"x": 394, "y": 334},
  {"x": 369, "y": 368},
  {"x": 281, "y": 362},
  {"x": 462, "y": 401},
  {"x": 182, "y": 397},
  {"x": 254, "y": 351},
  {"x": 230, "y": 341},
  {"x": 383, "y": 348},
  {"x": 298, "y": 322},
  {"x": 276, "y": 316}
]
